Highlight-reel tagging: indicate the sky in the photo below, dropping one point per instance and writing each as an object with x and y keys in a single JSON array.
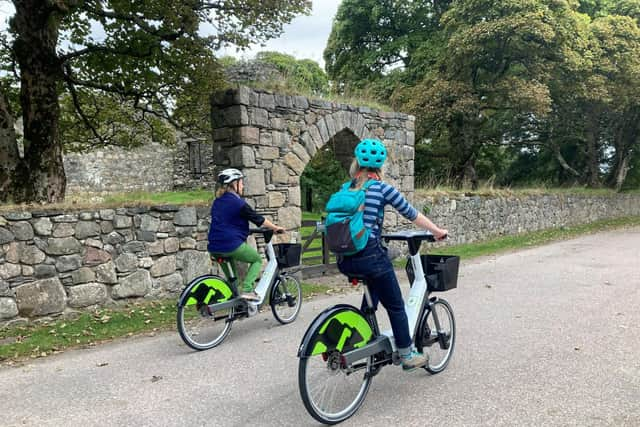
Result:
[{"x": 304, "y": 38}]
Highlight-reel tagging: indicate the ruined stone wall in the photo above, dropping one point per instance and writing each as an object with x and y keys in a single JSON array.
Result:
[
  {"x": 115, "y": 169},
  {"x": 193, "y": 166},
  {"x": 271, "y": 138}
]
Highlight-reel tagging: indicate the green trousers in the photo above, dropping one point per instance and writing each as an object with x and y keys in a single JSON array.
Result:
[{"x": 244, "y": 253}]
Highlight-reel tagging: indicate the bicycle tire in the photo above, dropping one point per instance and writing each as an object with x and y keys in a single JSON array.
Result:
[
  {"x": 199, "y": 326},
  {"x": 286, "y": 299},
  {"x": 330, "y": 390},
  {"x": 431, "y": 343},
  {"x": 318, "y": 409}
]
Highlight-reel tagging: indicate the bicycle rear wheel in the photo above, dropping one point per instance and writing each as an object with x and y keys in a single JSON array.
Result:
[
  {"x": 286, "y": 299},
  {"x": 201, "y": 325},
  {"x": 437, "y": 344},
  {"x": 331, "y": 391}
]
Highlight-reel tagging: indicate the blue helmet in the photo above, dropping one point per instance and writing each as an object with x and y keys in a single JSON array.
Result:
[{"x": 371, "y": 153}]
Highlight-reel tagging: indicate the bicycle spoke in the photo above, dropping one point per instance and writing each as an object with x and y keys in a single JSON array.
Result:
[
  {"x": 330, "y": 391},
  {"x": 439, "y": 352},
  {"x": 286, "y": 290}
]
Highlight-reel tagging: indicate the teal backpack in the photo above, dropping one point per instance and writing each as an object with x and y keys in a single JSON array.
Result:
[{"x": 344, "y": 225}]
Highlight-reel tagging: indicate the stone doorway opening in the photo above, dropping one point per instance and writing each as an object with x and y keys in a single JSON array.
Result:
[{"x": 326, "y": 170}]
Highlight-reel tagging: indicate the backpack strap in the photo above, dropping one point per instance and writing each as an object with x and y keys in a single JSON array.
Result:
[{"x": 368, "y": 184}]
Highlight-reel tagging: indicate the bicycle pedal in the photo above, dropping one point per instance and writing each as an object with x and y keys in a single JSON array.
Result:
[
  {"x": 204, "y": 311},
  {"x": 396, "y": 359},
  {"x": 252, "y": 310}
]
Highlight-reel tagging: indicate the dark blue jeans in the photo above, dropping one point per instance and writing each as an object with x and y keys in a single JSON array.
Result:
[{"x": 374, "y": 264}]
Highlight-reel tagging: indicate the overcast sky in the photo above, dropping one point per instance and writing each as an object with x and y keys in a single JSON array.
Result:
[{"x": 304, "y": 37}]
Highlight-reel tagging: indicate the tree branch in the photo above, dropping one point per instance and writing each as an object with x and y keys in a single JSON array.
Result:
[
  {"x": 78, "y": 107},
  {"x": 106, "y": 88},
  {"x": 140, "y": 22},
  {"x": 104, "y": 49},
  {"x": 563, "y": 162}
]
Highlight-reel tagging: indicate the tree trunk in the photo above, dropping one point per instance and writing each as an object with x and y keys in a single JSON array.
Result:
[
  {"x": 621, "y": 173},
  {"x": 625, "y": 139},
  {"x": 592, "y": 151},
  {"x": 40, "y": 177},
  {"x": 8, "y": 150},
  {"x": 563, "y": 161}
]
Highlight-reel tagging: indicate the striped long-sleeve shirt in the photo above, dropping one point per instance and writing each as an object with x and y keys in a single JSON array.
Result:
[{"x": 378, "y": 196}]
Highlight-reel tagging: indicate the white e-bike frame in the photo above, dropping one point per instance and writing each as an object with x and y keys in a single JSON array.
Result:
[{"x": 415, "y": 301}]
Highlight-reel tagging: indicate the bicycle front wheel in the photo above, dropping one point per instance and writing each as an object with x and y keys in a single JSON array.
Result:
[
  {"x": 200, "y": 324},
  {"x": 438, "y": 344},
  {"x": 331, "y": 391},
  {"x": 286, "y": 299}
]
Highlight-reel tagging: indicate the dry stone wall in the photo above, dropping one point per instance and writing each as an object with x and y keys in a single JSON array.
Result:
[
  {"x": 52, "y": 263},
  {"x": 55, "y": 263},
  {"x": 475, "y": 218}
]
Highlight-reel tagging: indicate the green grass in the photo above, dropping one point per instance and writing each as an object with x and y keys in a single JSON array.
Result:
[
  {"x": 88, "y": 329},
  {"x": 116, "y": 200},
  {"x": 100, "y": 326},
  {"x": 171, "y": 198}
]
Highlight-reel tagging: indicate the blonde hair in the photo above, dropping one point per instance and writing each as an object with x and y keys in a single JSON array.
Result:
[
  {"x": 225, "y": 188},
  {"x": 355, "y": 169}
]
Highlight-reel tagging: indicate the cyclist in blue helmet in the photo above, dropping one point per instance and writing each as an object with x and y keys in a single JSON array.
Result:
[{"x": 372, "y": 261}]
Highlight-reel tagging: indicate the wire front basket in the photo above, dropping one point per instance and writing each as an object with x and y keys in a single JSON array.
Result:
[
  {"x": 288, "y": 254},
  {"x": 441, "y": 271}
]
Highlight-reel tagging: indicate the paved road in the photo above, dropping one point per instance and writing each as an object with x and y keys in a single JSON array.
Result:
[{"x": 546, "y": 336}]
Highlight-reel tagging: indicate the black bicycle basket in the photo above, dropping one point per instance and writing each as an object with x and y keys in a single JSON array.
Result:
[
  {"x": 441, "y": 271},
  {"x": 287, "y": 254}
]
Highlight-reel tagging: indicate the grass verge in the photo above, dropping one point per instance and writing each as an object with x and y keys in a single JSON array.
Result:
[{"x": 103, "y": 325}]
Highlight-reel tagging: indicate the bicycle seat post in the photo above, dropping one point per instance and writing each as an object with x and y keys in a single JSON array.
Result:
[{"x": 367, "y": 296}]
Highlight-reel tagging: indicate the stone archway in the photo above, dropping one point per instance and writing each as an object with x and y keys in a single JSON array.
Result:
[{"x": 271, "y": 138}]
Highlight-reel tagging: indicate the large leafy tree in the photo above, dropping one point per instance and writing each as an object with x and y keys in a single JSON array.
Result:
[
  {"x": 493, "y": 78},
  {"x": 592, "y": 130},
  {"x": 370, "y": 38},
  {"x": 154, "y": 57}
]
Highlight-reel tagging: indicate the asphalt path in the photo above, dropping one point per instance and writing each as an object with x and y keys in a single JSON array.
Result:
[{"x": 547, "y": 336}]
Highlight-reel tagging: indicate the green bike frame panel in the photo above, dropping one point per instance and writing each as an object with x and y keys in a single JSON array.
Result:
[
  {"x": 210, "y": 290},
  {"x": 343, "y": 331}
]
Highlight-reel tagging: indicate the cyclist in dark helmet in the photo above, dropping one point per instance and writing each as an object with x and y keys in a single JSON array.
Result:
[
  {"x": 372, "y": 261},
  {"x": 230, "y": 216}
]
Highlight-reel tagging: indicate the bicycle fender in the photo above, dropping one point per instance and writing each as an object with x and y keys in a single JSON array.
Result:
[
  {"x": 210, "y": 289},
  {"x": 342, "y": 327}
]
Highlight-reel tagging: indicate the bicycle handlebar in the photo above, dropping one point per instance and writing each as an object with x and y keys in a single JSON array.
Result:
[
  {"x": 410, "y": 234},
  {"x": 267, "y": 233},
  {"x": 413, "y": 238}
]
